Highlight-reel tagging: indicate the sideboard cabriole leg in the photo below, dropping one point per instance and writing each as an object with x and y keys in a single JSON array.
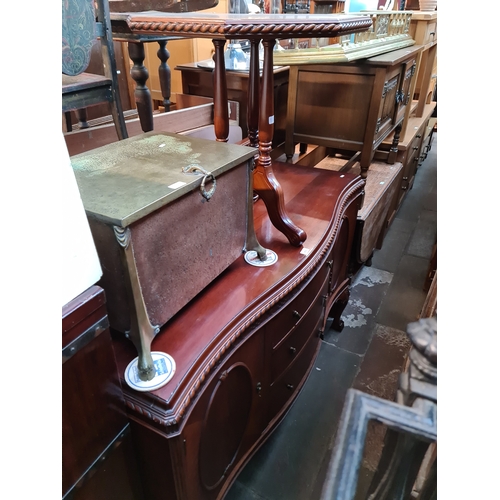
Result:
[
  {"x": 265, "y": 183},
  {"x": 140, "y": 75},
  {"x": 253, "y": 94},
  {"x": 164, "y": 73},
  {"x": 221, "y": 111}
]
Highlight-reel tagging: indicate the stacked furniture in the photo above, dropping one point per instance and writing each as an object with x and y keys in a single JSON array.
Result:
[
  {"x": 98, "y": 455},
  {"x": 244, "y": 345}
]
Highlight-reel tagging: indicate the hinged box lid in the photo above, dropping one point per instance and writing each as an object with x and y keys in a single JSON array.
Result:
[{"x": 124, "y": 181}]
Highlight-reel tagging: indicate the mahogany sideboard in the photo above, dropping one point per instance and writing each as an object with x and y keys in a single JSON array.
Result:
[
  {"x": 245, "y": 345},
  {"x": 351, "y": 106}
]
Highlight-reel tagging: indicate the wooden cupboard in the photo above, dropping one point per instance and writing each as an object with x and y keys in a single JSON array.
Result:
[
  {"x": 411, "y": 150},
  {"x": 350, "y": 106},
  {"x": 423, "y": 29}
]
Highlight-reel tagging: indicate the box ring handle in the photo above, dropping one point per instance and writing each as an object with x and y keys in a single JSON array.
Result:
[{"x": 206, "y": 175}]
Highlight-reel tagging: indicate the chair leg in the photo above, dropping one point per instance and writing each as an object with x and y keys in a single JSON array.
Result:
[
  {"x": 69, "y": 125},
  {"x": 82, "y": 118},
  {"x": 118, "y": 118}
]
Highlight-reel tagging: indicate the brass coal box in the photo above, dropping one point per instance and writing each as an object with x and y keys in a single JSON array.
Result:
[{"x": 168, "y": 213}]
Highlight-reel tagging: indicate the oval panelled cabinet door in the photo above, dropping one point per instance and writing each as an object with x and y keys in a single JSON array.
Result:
[{"x": 224, "y": 425}]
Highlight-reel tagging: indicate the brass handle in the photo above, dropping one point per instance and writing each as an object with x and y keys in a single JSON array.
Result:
[
  {"x": 419, "y": 136},
  {"x": 415, "y": 148},
  {"x": 297, "y": 315}
]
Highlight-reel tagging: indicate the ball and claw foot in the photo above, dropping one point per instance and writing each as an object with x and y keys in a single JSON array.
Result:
[{"x": 338, "y": 326}]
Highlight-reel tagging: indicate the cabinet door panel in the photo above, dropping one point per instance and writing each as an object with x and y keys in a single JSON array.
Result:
[
  {"x": 325, "y": 104},
  {"x": 225, "y": 422},
  {"x": 388, "y": 102}
]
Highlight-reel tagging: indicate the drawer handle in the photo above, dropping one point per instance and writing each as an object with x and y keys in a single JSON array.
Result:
[
  {"x": 419, "y": 136},
  {"x": 293, "y": 350},
  {"x": 297, "y": 315},
  {"x": 290, "y": 386},
  {"x": 415, "y": 148}
]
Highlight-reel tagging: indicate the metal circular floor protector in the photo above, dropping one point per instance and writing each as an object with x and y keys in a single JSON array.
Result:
[
  {"x": 165, "y": 369},
  {"x": 252, "y": 258}
]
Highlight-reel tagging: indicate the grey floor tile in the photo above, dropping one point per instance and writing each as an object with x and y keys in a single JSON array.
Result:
[
  {"x": 405, "y": 297},
  {"x": 424, "y": 236},
  {"x": 288, "y": 464},
  {"x": 240, "y": 492},
  {"x": 409, "y": 210},
  {"x": 367, "y": 292},
  {"x": 381, "y": 379},
  {"x": 393, "y": 246}
]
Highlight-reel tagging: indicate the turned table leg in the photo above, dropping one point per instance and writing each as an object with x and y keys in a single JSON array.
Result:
[
  {"x": 253, "y": 95},
  {"x": 164, "y": 73},
  {"x": 221, "y": 111},
  {"x": 140, "y": 75},
  {"x": 265, "y": 183}
]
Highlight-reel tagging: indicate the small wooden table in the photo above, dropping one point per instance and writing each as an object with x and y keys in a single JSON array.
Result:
[
  {"x": 197, "y": 80},
  {"x": 256, "y": 28}
]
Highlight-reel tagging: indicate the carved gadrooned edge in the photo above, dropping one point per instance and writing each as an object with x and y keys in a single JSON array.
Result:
[
  {"x": 156, "y": 416},
  {"x": 285, "y": 30}
]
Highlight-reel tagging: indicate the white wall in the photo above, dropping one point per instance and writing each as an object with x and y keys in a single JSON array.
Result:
[
  {"x": 357, "y": 5},
  {"x": 80, "y": 264}
]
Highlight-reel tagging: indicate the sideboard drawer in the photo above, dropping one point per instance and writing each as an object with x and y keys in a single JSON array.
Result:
[
  {"x": 286, "y": 386},
  {"x": 292, "y": 344},
  {"x": 279, "y": 326},
  {"x": 422, "y": 30}
]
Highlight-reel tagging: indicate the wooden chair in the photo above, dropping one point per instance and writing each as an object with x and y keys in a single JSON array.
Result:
[{"x": 83, "y": 23}]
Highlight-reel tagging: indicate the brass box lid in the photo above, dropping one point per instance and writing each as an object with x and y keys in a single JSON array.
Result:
[{"x": 124, "y": 181}]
